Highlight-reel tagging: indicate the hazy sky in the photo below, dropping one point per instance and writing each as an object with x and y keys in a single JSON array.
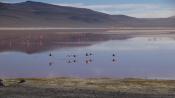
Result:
[{"x": 136, "y": 8}]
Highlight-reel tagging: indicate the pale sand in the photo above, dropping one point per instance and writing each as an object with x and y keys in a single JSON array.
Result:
[{"x": 87, "y": 88}]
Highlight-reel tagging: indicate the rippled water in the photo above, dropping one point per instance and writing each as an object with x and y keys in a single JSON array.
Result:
[{"x": 123, "y": 57}]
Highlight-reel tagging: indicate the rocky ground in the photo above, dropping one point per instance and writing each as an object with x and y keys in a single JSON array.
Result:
[{"x": 86, "y": 88}]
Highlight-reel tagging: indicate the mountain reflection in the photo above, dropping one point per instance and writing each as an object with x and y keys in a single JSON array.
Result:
[{"x": 34, "y": 42}]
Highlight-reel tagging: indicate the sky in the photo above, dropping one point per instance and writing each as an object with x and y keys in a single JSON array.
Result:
[{"x": 135, "y": 8}]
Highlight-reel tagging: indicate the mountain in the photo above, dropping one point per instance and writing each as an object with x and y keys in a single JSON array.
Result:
[
  {"x": 37, "y": 14},
  {"x": 172, "y": 17}
]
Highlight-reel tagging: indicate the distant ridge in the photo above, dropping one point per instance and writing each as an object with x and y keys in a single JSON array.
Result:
[
  {"x": 172, "y": 17},
  {"x": 37, "y": 14}
]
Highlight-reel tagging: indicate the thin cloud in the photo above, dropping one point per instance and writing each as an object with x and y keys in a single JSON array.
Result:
[
  {"x": 154, "y": 14},
  {"x": 111, "y": 6},
  {"x": 136, "y": 10}
]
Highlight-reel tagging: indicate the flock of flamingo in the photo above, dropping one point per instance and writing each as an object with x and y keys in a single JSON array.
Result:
[{"x": 72, "y": 58}]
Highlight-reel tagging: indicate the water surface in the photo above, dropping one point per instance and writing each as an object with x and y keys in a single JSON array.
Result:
[{"x": 86, "y": 55}]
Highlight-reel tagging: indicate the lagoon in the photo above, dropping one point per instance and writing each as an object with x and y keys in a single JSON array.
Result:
[{"x": 49, "y": 55}]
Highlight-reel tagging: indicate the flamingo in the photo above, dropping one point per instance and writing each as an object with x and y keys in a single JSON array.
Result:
[{"x": 50, "y": 54}]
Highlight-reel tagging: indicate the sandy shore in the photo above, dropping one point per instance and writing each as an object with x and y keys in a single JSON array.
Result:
[
  {"x": 87, "y": 88},
  {"x": 122, "y": 31}
]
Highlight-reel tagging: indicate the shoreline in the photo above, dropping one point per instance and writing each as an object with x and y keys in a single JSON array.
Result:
[
  {"x": 86, "y": 28},
  {"x": 120, "y": 31},
  {"x": 87, "y": 88},
  {"x": 110, "y": 84}
]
